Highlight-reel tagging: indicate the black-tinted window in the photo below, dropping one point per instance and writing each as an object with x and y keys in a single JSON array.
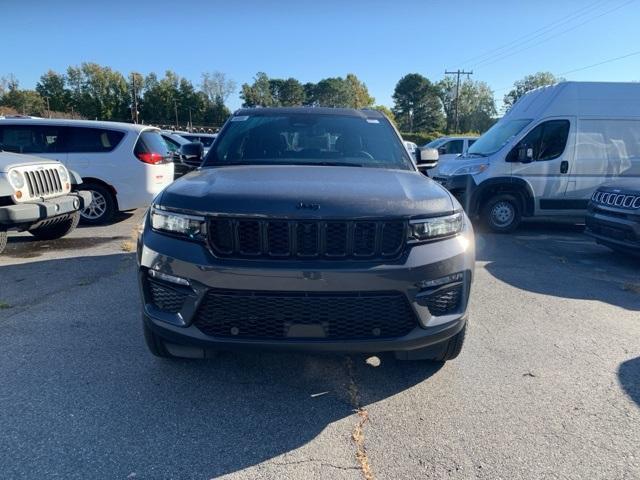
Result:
[
  {"x": 94, "y": 140},
  {"x": 30, "y": 138},
  {"x": 471, "y": 142},
  {"x": 172, "y": 145},
  {"x": 547, "y": 140},
  {"x": 204, "y": 140},
  {"x": 452, "y": 147},
  {"x": 151, "y": 141},
  {"x": 309, "y": 138}
]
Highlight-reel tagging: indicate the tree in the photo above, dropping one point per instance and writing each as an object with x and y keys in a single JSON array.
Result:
[
  {"x": 259, "y": 93},
  {"x": 25, "y": 102},
  {"x": 332, "y": 92},
  {"x": 360, "y": 97},
  {"x": 216, "y": 114},
  {"x": 527, "y": 84},
  {"x": 161, "y": 98},
  {"x": 476, "y": 105},
  {"x": 417, "y": 105},
  {"x": 98, "y": 92},
  {"x": 287, "y": 93},
  {"x": 216, "y": 85},
  {"x": 52, "y": 86}
]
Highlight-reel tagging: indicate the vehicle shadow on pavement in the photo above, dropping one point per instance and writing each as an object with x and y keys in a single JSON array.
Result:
[
  {"x": 559, "y": 260},
  {"x": 83, "y": 398},
  {"x": 629, "y": 376}
]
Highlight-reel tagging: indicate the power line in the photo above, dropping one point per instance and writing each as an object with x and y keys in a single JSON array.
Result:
[
  {"x": 544, "y": 29},
  {"x": 458, "y": 73},
  {"x": 602, "y": 63},
  {"x": 491, "y": 61}
]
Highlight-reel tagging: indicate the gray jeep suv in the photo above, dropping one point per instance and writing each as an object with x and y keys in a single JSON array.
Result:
[{"x": 306, "y": 229}]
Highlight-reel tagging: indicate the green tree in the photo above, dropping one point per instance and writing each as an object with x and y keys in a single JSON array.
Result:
[
  {"x": 52, "y": 86},
  {"x": 25, "y": 102},
  {"x": 257, "y": 94},
  {"x": 332, "y": 92},
  {"x": 527, "y": 84},
  {"x": 287, "y": 93},
  {"x": 360, "y": 97},
  {"x": 98, "y": 92},
  {"x": 417, "y": 106},
  {"x": 476, "y": 105},
  {"x": 216, "y": 85},
  {"x": 216, "y": 114},
  {"x": 161, "y": 97}
]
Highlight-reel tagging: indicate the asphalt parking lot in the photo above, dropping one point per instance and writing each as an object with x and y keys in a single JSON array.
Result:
[{"x": 547, "y": 386}]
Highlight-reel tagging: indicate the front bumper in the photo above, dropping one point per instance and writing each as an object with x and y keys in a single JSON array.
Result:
[
  {"x": 463, "y": 187},
  {"x": 33, "y": 212},
  {"x": 193, "y": 261},
  {"x": 615, "y": 227}
]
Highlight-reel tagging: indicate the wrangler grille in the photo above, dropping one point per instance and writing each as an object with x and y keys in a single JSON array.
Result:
[
  {"x": 323, "y": 316},
  {"x": 287, "y": 239},
  {"x": 43, "y": 182},
  {"x": 613, "y": 199}
]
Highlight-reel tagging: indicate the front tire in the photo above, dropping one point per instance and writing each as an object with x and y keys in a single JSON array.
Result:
[
  {"x": 502, "y": 213},
  {"x": 441, "y": 352},
  {"x": 102, "y": 207},
  {"x": 57, "y": 230},
  {"x": 3, "y": 241}
]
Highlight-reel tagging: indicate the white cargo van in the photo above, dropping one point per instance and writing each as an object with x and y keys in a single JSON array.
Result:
[
  {"x": 549, "y": 153},
  {"x": 124, "y": 166}
]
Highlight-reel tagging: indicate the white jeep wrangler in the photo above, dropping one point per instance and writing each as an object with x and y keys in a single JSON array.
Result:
[{"x": 35, "y": 195}]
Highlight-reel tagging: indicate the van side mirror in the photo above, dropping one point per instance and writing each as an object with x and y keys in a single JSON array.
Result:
[
  {"x": 525, "y": 153},
  {"x": 427, "y": 157},
  {"x": 193, "y": 151}
]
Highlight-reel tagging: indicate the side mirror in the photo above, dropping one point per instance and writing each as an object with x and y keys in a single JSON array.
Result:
[
  {"x": 442, "y": 151},
  {"x": 192, "y": 152},
  {"x": 525, "y": 154},
  {"x": 427, "y": 157}
]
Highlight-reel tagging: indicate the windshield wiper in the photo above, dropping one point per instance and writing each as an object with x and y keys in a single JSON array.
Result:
[{"x": 312, "y": 164}]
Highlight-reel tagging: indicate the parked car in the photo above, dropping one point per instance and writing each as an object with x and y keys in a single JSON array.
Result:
[
  {"x": 124, "y": 166},
  {"x": 411, "y": 147},
  {"x": 613, "y": 216},
  {"x": 35, "y": 195},
  {"x": 182, "y": 164},
  {"x": 449, "y": 148},
  {"x": 206, "y": 139},
  {"x": 549, "y": 153},
  {"x": 306, "y": 229}
]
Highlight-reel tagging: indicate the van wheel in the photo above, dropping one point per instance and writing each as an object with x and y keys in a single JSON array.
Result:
[
  {"x": 502, "y": 213},
  {"x": 102, "y": 207},
  {"x": 3, "y": 241},
  {"x": 57, "y": 230}
]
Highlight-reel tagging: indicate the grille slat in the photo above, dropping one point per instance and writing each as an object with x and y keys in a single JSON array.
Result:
[
  {"x": 445, "y": 301},
  {"x": 614, "y": 199},
  {"x": 287, "y": 239},
  {"x": 43, "y": 182},
  {"x": 166, "y": 298},
  {"x": 330, "y": 316}
]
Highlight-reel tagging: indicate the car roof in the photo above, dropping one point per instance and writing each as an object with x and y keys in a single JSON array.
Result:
[
  {"x": 76, "y": 123},
  {"x": 346, "y": 112}
]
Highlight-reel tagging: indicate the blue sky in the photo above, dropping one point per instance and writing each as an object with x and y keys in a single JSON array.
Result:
[{"x": 379, "y": 41}]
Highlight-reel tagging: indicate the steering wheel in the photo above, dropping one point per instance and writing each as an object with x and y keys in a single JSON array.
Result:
[{"x": 362, "y": 153}]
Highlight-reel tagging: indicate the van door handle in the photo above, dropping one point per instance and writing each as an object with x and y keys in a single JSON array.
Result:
[{"x": 564, "y": 166}]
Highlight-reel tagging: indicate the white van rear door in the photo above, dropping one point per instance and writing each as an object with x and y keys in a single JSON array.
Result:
[{"x": 606, "y": 149}]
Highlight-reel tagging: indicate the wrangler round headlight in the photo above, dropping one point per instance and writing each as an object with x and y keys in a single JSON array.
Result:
[
  {"x": 437, "y": 227},
  {"x": 190, "y": 226},
  {"x": 64, "y": 175},
  {"x": 16, "y": 179}
]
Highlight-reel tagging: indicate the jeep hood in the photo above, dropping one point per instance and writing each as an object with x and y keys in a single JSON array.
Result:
[
  {"x": 308, "y": 192},
  {"x": 9, "y": 160}
]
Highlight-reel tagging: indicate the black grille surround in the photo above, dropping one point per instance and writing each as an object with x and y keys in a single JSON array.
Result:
[
  {"x": 445, "y": 300},
  {"x": 308, "y": 315},
  {"x": 243, "y": 238}
]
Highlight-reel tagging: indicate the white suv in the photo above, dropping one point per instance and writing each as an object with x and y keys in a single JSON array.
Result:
[
  {"x": 124, "y": 166},
  {"x": 448, "y": 149}
]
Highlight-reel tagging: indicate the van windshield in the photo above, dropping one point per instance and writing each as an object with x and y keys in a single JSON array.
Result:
[
  {"x": 435, "y": 143},
  {"x": 497, "y": 137}
]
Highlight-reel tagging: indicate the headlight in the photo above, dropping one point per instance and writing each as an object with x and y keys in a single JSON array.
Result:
[
  {"x": 64, "y": 175},
  {"x": 16, "y": 179},
  {"x": 436, "y": 227},
  {"x": 471, "y": 169},
  {"x": 188, "y": 225}
]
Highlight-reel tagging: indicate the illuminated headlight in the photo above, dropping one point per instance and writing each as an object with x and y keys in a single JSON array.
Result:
[
  {"x": 471, "y": 169},
  {"x": 16, "y": 179},
  {"x": 456, "y": 277},
  {"x": 436, "y": 227},
  {"x": 188, "y": 225},
  {"x": 64, "y": 175}
]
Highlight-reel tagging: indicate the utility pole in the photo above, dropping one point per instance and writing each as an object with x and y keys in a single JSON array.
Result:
[
  {"x": 457, "y": 73},
  {"x": 48, "y": 108},
  {"x": 175, "y": 106},
  {"x": 190, "y": 122},
  {"x": 134, "y": 113}
]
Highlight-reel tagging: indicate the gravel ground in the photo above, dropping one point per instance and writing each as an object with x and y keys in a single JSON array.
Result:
[{"x": 547, "y": 386}]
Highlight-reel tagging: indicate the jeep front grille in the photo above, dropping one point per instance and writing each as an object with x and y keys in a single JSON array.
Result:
[
  {"x": 300, "y": 239},
  {"x": 613, "y": 199},
  {"x": 43, "y": 182}
]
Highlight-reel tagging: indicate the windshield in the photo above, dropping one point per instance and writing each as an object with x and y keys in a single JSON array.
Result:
[
  {"x": 497, "y": 136},
  {"x": 435, "y": 143},
  {"x": 309, "y": 139}
]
